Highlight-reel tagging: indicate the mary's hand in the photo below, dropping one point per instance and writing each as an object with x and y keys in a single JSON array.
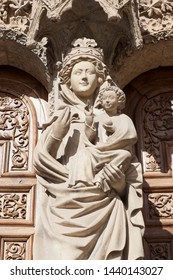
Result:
[
  {"x": 89, "y": 116},
  {"x": 61, "y": 125},
  {"x": 114, "y": 178}
]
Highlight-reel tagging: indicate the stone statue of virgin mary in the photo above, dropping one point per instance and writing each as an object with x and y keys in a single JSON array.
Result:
[{"x": 85, "y": 221}]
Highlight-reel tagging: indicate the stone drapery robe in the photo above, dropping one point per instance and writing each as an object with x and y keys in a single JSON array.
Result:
[{"x": 84, "y": 222}]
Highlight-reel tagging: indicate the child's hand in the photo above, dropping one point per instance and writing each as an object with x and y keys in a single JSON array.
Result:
[{"x": 109, "y": 127}]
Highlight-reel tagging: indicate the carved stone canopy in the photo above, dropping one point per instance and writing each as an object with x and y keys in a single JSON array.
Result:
[
  {"x": 110, "y": 23},
  {"x": 44, "y": 29}
]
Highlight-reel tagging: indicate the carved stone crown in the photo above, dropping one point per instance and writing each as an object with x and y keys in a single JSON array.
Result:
[{"x": 83, "y": 47}]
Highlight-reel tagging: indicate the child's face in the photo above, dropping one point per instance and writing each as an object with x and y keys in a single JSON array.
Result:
[{"x": 109, "y": 101}]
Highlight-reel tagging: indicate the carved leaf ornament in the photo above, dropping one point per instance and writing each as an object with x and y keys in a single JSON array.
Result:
[
  {"x": 156, "y": 17},
  {"x": 156, "y": 7},
  {"x": 15, "y": 14}
]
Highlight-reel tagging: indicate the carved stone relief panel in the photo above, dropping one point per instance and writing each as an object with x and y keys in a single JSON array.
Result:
[
  {"x": 16, "y": 137},
  {"x": 14, "y": 128},
  {"x": 16, "y": 248},
  {"x": 16, "y": 205},
  {"x": 13, "y": 206},
  {"x": 158, "y": 249},
  {"x": 158, "y": 207}
]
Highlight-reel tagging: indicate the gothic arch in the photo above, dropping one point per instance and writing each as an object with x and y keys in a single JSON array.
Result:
[
  {"x": 15, "y": 54},
  {"x": 150, "y": 57}
]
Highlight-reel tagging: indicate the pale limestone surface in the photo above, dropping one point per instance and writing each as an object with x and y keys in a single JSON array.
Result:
[{"x": 88, "y": 219}]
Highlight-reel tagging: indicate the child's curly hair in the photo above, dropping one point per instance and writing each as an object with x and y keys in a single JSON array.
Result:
[{"x": 120, "y": 95}]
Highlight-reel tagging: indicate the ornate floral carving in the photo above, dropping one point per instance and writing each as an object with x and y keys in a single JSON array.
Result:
[
  {"x": 14, "y": 125},
  {"x": 158, "y": 127},
  {"x": 159, "y": 251},
  {"x": 15, "y": 14},
  {"x": 15, "y": 250},
  {"x": 160, "y": 205},
  {"x": 156, "y": 17},
  {"x": 13, "y": 206}
]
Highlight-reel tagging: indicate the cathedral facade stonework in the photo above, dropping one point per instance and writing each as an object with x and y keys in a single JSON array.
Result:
[{"x": 136, "y": 40}]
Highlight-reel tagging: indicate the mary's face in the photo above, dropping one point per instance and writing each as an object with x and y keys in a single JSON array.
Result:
[{"x": 84, "y": 80}]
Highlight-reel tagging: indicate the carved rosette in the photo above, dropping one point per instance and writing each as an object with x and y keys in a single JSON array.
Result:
[
  {"x": 14, "y": 128},
  {"x": 157, "y": 129},
  {"x": 156, "y": 18},
  {"x": 14, "y": 250},
  {"x": 159, "y": 251},
  {"x": 13, "y": 206},
  {"x": 160, "y": 206}
]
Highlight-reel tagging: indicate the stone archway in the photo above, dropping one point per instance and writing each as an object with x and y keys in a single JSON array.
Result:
[{"x": 149, "y": 104}]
